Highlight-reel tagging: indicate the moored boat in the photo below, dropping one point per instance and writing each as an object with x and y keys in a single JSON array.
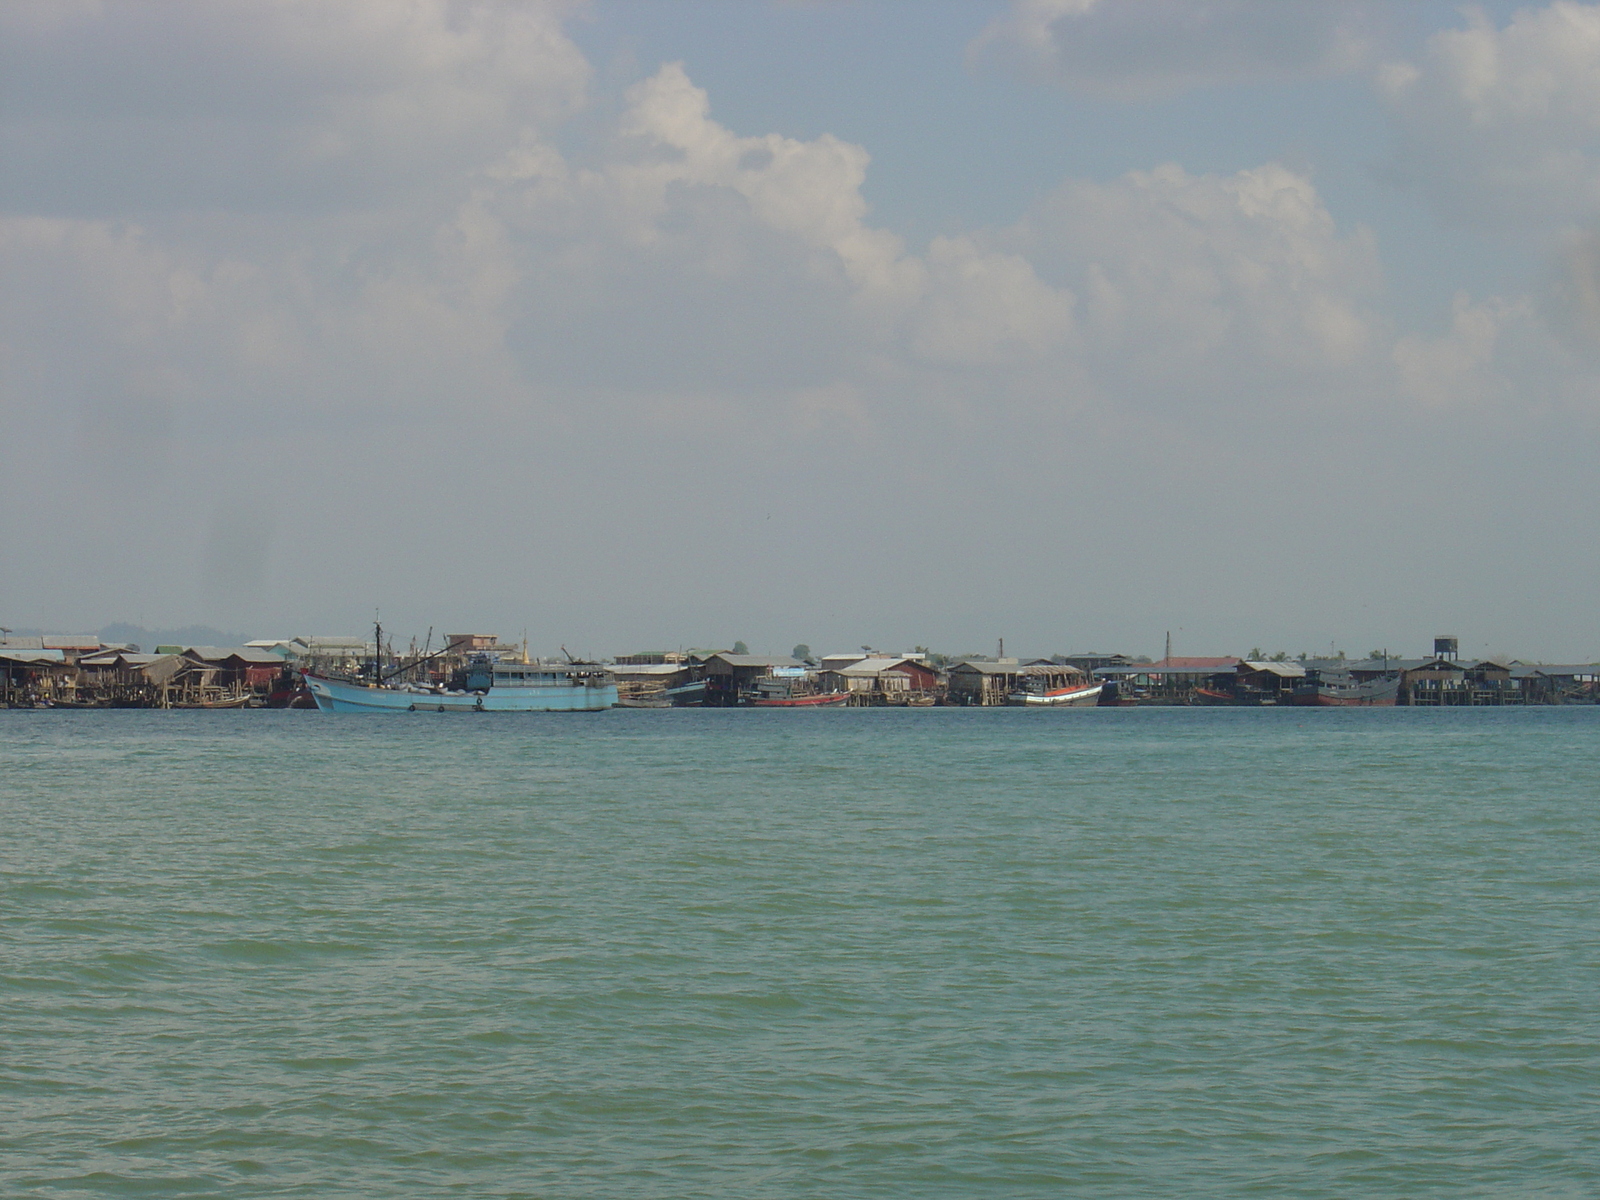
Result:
[
  {"x": 814, "y": 700},
  {"x": 1376, "y": 692},
  {"x": 1079, "y": 695},
  {"x": 219, "y": 702},
  {"x": 491, "y": 687},
  {"x": 687, "y": 695}
]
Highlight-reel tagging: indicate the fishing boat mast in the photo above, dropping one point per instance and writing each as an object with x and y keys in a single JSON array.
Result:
[{"x": 377, "y": 650}]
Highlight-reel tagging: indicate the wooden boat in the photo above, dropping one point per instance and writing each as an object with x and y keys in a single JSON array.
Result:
[
  {"x": 1079, "y": 696},
  {"x": 1375, "y": 693},
  {"x": 817, "y": 700},
  {"x": 687, "y": 695}
]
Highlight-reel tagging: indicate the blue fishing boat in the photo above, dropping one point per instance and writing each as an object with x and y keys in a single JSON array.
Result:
[{"x": 491, "y": 687}]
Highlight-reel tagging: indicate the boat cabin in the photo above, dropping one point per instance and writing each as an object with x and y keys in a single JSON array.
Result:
[{"x": 484, "y": 674}]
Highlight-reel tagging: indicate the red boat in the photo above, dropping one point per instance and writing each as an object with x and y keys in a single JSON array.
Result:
[
  {"x": 1379, "y": 692},
  {"x": 819, "y": 700}
]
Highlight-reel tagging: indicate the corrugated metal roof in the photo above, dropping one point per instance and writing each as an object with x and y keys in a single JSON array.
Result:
[
  {"x": 22, "y": 654},
  {"x": 1158, "y": 669},
  {"x": 127, "y": 657},
  {"x": 994, "y": 668},
  {"x": 869, "y": 667},
  {"x": 758, "y": 660},
  {"x": 1281, "y": 669},
  {"x": 71, "y": 641},
  {"x": 244, "y": 653}
]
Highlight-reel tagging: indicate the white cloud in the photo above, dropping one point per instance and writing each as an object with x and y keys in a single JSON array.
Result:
[
  {"x": 632, "y": 342},
  {"x": 767, "y": 223},
  {"x": 281, "y": 104},
  {"x": 982, "y": 306},
  {"x": 1208, "y": 282},
  {"x": 1458, "y": 369},
  {"x": 1500, "y": 125},
  {"x": 808, "y": 190},
  {"x": 1134, "y": 49},
  {"x": 692, "y": 262}
]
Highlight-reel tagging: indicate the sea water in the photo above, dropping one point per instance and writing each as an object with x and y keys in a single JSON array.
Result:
[{"x": 857, "y": 953}]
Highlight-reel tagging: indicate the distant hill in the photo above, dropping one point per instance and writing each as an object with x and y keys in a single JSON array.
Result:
[{"x": 189, "y": 635}]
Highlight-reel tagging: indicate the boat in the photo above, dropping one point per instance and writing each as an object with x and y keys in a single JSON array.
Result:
[
  {"x": 290, "y": 695},
  {"x": 814, "y": 700},
  {"x": 220, "y": 702},
  {"x": 1375, "y": 693},
  {"x": 687, "y": 695},
  {"x": 502, "y": 687},
  {"x": 490, "y": 685},
  {"x": 1078, "y": 695}
]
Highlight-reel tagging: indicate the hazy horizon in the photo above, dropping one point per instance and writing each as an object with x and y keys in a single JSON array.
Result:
[
  {"x": 646, "y": 325},
  {"x": 205, "y": 635}
]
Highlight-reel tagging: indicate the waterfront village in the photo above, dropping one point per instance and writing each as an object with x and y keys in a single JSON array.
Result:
[{"x": 81, "y": 671}]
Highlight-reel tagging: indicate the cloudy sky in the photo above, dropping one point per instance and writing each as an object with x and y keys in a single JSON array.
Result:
[{"x": 655, "y": 324}]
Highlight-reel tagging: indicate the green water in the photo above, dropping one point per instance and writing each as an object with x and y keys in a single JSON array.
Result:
[{"x": 835, "y": 954}]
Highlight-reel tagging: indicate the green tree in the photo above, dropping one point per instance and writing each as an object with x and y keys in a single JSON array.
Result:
[
  {"x": 740, "y": 648},
  {"x": 802, "y": 651}
]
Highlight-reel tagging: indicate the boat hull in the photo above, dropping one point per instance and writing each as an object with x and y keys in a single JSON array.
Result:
[
  {"x": 824, "y": 700},
  {"x": 1328, "y": 700},
  {"x": 1079, "y": 697},
  {"x": 333, "y": 695},
  {"x": 687, "y": 695},
  {"x": 1381, "y": 693},
  {"x": 230, "y": 702}
]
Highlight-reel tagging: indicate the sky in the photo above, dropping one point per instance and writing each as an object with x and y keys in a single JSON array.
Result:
[{"x": 634, "y": 325}]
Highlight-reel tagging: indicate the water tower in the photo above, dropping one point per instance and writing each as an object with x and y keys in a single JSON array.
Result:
[{"x": 1447, "y": 647}]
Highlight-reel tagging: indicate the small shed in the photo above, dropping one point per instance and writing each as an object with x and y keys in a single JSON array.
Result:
[
  {"x": 238, "y": 668},
  {"x": 979, "y": 682},
  {"x": 649, "y": 684},
  {"x": 732, "y": 679},
  {"x": 838, "y": 662},
  {"x": 1171, "y": 681},
  {"x": 882, "y": 680},
  {"x": 1559, "y": 683},
  {"x": 33, "y": 675},
  {"x": 1430, "y": 680},
  {"x": 1266, "y": 682}
]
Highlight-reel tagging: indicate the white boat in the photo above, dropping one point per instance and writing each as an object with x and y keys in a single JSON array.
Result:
[{"x": 1067, "y": 697}]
